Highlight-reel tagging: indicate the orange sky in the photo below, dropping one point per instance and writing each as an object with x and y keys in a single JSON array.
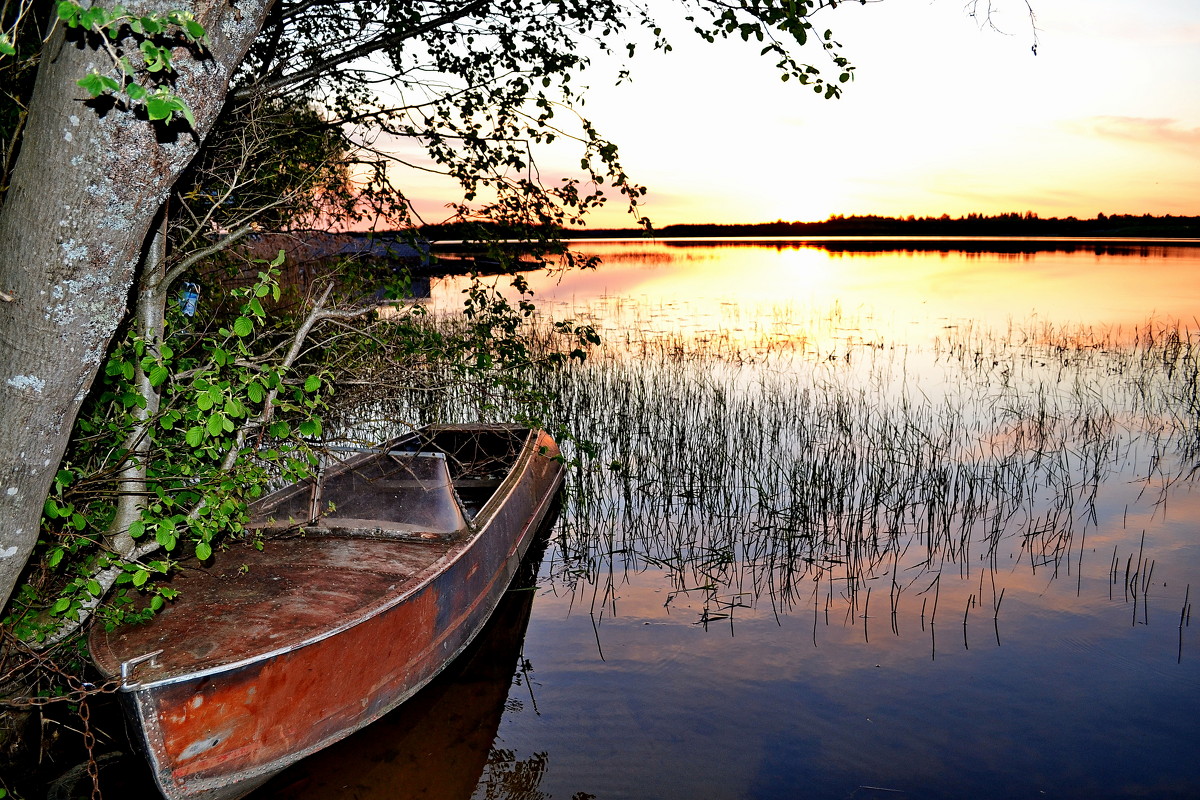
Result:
[{"x": 943, "y": 117}]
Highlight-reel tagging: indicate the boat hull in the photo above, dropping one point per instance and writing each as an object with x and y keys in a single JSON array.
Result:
[
  {"x": 220, "y": 733},
  {"x": 436, "y": 745}
]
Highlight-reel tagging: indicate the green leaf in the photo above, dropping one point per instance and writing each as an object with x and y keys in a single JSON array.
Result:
[
  {"x": 159, "y": 375},
  {"x": 156, "y": 58},
  {"x": 158, "y": 108},
  {"x": 68, "y": 12},
  {"x": 195, "y": 436},
  {"x": 137, "y": 528},
  {"x": 61, "y": 605},
  {"x": 203, "y": 551},
  {"x": 93, "y": 18},
  {"x": 137, "y": 93},
  {"x": 204, "y": 401},
  {"x": 312, "y": 383},
  {"x": 6, "y": 48},
  {"x": 215, "y": 424},
  {"x": 186, "y": 111},
  {"x": 255, "y": 392},
  {"x": 166, "y": 537},
  {"x": 194, "y": 29},
  {"x": 95, "y": 84},
  {"x": 140, "y": 577},
  {"x": 93, "y": 587},
  {"x": 56, "y": 556},
  {"x": 156, "y": 603},
  {"x": 243, "y": 326}
]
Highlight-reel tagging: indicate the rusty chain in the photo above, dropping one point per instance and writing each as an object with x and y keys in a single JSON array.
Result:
[
  {"x": 32, "y": 662},
  {"x": 77, "y": 692},
  {"x": 78, "y": 695},
  {"x": 89, "y": 744}
]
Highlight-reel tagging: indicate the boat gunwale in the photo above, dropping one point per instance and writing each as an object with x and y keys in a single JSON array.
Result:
[{"x": 454, "y": 552}]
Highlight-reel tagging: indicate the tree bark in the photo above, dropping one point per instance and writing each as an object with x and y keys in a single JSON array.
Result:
[{"x": 73, "y": 233}]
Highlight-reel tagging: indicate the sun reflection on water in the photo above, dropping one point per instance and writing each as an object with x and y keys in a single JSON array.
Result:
[{"x": 755, "y": 291}]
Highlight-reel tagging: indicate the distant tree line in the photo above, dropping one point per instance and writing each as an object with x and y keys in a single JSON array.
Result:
[{"x": 1012, "y": 224}]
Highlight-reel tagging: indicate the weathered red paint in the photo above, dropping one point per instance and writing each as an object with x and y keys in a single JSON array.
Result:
[{"x": 279, "y": 653}]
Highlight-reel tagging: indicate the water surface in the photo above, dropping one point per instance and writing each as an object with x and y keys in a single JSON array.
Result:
[{"x": 908, "y": 522}]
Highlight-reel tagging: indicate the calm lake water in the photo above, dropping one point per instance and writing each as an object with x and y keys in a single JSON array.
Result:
[{"x": 868, "y": 520}]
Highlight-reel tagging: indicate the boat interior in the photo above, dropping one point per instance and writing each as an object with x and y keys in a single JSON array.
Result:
[{"x": 426, "y": 486}]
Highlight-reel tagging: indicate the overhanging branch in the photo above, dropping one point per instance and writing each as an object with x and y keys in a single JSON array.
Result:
[{"x": 381, "y": 42}]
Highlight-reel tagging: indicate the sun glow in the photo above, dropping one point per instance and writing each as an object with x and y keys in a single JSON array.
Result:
[{"x": 941, "y": 117}]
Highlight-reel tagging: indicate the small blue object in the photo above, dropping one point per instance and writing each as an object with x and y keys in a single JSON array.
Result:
[{"x": 191, "y": 296}]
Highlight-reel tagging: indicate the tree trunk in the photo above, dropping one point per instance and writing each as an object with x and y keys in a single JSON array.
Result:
[
  {"x": 150, "y": 311},
  {"x": 73, "y": 230}
]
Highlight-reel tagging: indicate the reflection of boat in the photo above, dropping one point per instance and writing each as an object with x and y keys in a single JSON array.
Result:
[
  {"x": 437, "y": 744},
  {"x": 272, "y": 655}
]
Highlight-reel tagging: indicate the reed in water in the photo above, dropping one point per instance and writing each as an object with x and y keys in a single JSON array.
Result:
[
  {"x": 801, "y": 469},
  {"x": 800, "y": 456}
]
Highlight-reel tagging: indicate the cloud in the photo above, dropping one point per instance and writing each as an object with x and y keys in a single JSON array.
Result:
[{"x": 1157, "y": 131}]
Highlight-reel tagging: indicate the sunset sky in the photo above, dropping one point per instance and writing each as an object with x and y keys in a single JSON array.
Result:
[{"x": 944, "y": 116}]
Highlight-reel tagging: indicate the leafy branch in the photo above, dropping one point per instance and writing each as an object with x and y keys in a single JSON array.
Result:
[
  {"x": 154, "y": 36},
  {"x": 186, "y": 467},
  {"x": 8, "y": 36},
  {"x": 792, "y": 21}
]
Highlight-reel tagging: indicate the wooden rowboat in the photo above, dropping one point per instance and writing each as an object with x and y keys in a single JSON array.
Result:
[{"x": 269, "y": 656}]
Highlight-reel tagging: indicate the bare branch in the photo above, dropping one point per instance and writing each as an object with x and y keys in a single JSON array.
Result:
[
  {"x": 223, "y": 243},
  {"x": 380, "y": 42}
]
